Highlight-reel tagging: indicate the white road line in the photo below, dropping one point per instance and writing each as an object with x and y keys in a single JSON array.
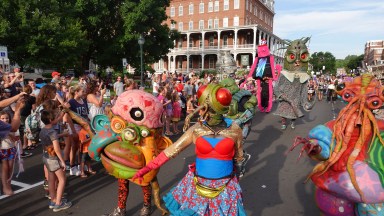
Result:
[
  {"x": 23, "y": 189},
  {"x": 20, "y": 184}
]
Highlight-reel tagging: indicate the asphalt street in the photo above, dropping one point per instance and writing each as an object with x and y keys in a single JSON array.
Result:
[{"x": 272, "y": 186}]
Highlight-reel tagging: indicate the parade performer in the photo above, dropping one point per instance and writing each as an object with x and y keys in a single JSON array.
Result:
[
  {"x": 263, "y": 71},
  {"x": 210, "y": 186},
  {"x": 291, "y": 89},
  {"x": 241, "y": 110},
  {"x": 129, "y": 141},
  {"x": 350, "y": 175}
]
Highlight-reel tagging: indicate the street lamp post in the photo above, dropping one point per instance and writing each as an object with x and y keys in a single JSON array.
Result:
[{"x": 141, "y": 42}]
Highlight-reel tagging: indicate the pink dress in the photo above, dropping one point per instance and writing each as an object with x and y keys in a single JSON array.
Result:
[{"x": 176, "y": 111}]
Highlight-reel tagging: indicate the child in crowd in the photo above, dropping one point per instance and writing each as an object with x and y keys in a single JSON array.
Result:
[
  {"x": 190, "y": 107},
  {"x": 7, "y": 155},
  {"x": 176, "y": 107},
  {"x": 85, "y": 140},
  {"x": 54, "y": 162},
  {"x": 113, "y": 100}
]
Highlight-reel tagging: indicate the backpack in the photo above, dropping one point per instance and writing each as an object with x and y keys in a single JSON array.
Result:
[{"x": 33, "y": 124}]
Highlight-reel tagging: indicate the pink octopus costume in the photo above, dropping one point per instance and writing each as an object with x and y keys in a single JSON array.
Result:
[{"x": 263, "y": 71}]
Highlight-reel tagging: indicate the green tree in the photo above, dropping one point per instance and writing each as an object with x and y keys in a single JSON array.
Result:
[
  {"x": 68, "y": 33},
  {"x": 40, "y": 34},
  {"x": 353, "y": 62},
  {"x": 320, "y": 60}
]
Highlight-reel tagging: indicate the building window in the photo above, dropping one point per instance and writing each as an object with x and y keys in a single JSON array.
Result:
[
  {"x": 180, "y": 62},
  {"x": 190, "y": 9},
  {"x": 180, "y": 44},
  {"x": 216, "y": 23},
  {"x": 190, "y": 25},
  {"x": 236, "y": 4},
  {"x": 236, "y": 21},
  {"x": 250, "y": 7},
  {"x": 211, "y": 41},
  {"x": 172, "y": 11},
  {"x": 255, "y": 13},
  {"x": 210, "y": 6},
  {"x": 190, "y": 42},
  {"x": 200, "y": 62},
  {"x": 211, "y": 62},
  {"x": 201, "y": 24},
  {"x": 217, "y": 5},
  {"x": 180, "y": 26},
  {"x": 201, "y": 7},
  {"x": 190, "y": 62},
  {"x": 225, "y": 40},
  {"x": 180, "y": 10},
  {"x": 246, "y": 4},
  {"x": 200, "y": 42},
  {"x": 210, "y": 23},
  {"x": 226, "y": 4},
  {"x": 225, "y": 22},
  {"x": 173, "y": 26}
]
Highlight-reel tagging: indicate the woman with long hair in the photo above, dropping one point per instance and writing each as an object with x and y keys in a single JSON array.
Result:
[
  {"x": 95, "y": 98},
  {"x": 79, "y": 105}
]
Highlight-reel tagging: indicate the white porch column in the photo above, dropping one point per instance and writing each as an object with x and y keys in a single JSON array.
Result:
[
  {"x": 203, "y": 40},
  {"x": 218, "y": 39},
  {"x": 188, "y": 63},
  {"x": 235, "y": 42},
  {"x": 169, "y": 63},
  {"x": 202, "y": 62},
  {"x": 188, "y": 41},
  {"x": 254, "y": 37}
]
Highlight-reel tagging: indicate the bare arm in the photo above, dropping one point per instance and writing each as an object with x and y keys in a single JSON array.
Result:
[
  {"x": 9, "y": 101},
  {"x": 15, "y": 124}
]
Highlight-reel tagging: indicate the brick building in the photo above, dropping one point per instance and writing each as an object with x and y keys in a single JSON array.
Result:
[
  {"x": 374, "y": 52},
  {"x": 210, "y": 26}
]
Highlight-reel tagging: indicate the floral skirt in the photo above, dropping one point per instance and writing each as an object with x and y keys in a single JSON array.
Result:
[
  {"x": 8, "y": 154},
  {"x": 183, "y": 199}
]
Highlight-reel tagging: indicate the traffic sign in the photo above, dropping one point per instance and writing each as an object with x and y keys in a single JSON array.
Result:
[{"x": 3, "y": 52}]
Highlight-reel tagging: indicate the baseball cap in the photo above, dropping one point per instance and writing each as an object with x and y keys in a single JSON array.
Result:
[{"x": 55, "y": 73}]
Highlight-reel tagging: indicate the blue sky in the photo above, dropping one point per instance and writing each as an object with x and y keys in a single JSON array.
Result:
[{"x": 341, "y": 27}]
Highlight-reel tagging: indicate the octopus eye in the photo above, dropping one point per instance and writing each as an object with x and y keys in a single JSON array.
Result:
[
  {"x": 374, "y": 103},
  {"x": 136, "y": 114},
  {"x": 340, "y": 87},
  {"x": 129, "y": 134},
  {"x": 347, "y": 96},
  {"x": 144, "y": 133}
]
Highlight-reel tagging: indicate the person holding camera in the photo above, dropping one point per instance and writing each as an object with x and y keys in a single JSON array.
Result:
[{"x": 95, "y": 98}]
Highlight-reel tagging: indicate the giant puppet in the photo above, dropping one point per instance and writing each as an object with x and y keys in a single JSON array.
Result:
[
  {"x": 263, "y": 71},
  {"x": 241, "y": 110},
  {"x": 128, "y": 141},
  {"x": 291, "y": 89},
  {"x": 210, "y": 187},
  {"x": 349, "y": 178}
]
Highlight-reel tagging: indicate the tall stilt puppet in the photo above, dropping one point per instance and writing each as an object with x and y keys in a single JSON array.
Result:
[
  {"x": 263, "y": 71},
  {"x": 349, "y": 178},
  {"x": 210, "y": 187},
  {"x": 128, "y": 141},
  {"x": 291, "y": 89}
]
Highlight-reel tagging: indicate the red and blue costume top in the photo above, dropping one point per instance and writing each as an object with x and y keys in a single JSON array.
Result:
[{"x": 214, "y": 156}]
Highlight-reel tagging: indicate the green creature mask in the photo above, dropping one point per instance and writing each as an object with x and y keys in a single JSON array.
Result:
[
  {"x": 230, "y": 84},
  {"x": 296, "y": 57}
]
